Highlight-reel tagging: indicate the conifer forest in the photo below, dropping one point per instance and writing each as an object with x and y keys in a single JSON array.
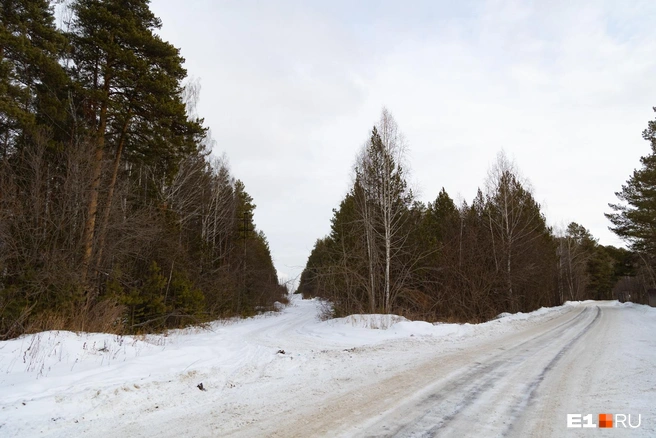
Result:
[{"x": 113, "y": 215}]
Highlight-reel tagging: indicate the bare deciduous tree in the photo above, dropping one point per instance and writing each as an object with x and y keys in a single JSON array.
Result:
[
  {"x": 515, "y": 220},
  {"x": 384, "y": 202}
]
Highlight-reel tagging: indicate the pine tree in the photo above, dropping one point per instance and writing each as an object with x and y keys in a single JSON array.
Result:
[
  {"x": 442, "y": 216},
  {"x": 634, "y": 219},
  {"x": 130, "y": 80},
  {"x": 601, "y": 273},
  {"x": 31, "y": 78},
  {"x": 575, "y": 249}
]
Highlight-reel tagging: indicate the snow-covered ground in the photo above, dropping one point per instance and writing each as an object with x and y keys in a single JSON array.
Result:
[{"x": 290, "y": 374}]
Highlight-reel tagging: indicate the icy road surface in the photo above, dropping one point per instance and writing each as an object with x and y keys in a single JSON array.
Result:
[{"x": 518, "y": 376}]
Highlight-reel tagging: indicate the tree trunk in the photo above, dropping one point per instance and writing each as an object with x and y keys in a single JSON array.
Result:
[
  {"x": 370, "y": 254},
  {"x": 388, "y": 244},
  {"x": 102, "y": 232},
  {"x": 92, "y": 209},
  {"x": 510, "y": 284}
]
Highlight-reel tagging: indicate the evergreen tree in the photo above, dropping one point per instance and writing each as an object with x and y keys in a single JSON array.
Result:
[
  {"x": 130, "y": 80},
  {"x": 31, "y": 79},
  {"x": 601, "y": 274},
  {"x": 634, "y": 219},
  {"x": 575, "y": 249},
  {"x": 310, "y": 284},
  {"x": 442, "y": 216}
]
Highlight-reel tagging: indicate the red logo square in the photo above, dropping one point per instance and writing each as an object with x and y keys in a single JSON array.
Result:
[{"x": 605, "y": 420}]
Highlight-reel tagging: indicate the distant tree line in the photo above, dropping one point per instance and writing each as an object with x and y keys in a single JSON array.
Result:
[
  {"x": 388, "y": 253},
  {"x": 113, "y": 216}
]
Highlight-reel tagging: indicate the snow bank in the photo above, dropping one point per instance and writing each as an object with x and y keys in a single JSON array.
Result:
[
  {"x": 55, "y": 353},
  {"x": 359, "y": 329},
  {"x": 521, "y": 316},
  {"x": 375, "y": 321}
]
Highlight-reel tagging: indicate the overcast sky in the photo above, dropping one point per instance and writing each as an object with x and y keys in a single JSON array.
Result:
[{"x": 291, "y": 89}]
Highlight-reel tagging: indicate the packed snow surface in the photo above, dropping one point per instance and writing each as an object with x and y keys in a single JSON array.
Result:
[{"x": 288, "y": 373}]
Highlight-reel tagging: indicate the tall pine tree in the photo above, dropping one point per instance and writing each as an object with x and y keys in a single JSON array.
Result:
[
  {"x": 634, "y": 219},
  {"x": 130, "y": 79}
]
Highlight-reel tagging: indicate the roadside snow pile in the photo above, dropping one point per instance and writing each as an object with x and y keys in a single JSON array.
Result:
[
  {"x": 640, "y": 307},
  {"x": 521, "y": 316},
  {"x": 59, "y": 352},
  {"x": 375, "y": 321},
  {"x": 56, "y": 354},
  {"x": 578, "y": 303},
  {"x": 360, "y": 329}
]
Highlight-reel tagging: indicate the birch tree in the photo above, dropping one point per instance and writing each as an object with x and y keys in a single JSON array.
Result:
[
  {"x": 515, "y": 224},
  {"x": 386, "y": 198}
]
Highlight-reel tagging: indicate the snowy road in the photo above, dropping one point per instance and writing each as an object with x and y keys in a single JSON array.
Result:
[
  {"x": 489, "y": 389},
  {"x": 517, "y": 376},
  {"x": 521, "y": 384}
]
